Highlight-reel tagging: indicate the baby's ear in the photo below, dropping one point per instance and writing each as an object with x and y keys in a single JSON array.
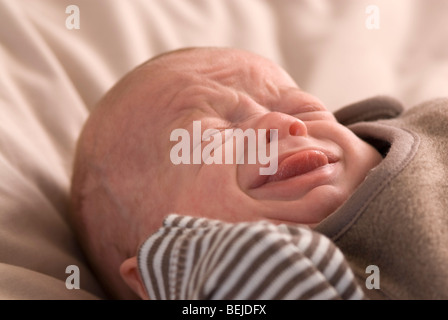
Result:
[{"x": 129, "y": 273}]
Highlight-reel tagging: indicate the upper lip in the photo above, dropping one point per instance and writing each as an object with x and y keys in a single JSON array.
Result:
[{"x": 263, "y": 179}]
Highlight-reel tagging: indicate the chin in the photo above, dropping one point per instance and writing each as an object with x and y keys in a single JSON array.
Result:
[{"x": 322, "y": 202}]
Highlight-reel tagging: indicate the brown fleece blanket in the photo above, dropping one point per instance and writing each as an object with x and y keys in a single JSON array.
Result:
[{"x": 398, "y": 218}]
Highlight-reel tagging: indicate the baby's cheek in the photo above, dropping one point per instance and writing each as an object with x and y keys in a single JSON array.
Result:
[
  {"x": 364, "y": 159},
  {"x": 198, "y": 191}
]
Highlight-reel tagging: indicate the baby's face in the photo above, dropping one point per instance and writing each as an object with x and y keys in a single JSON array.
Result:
[{"x": 319, "y": 161}]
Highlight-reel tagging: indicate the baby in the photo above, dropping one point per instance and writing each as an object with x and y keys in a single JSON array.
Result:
[{"x": 125, "y": 182}]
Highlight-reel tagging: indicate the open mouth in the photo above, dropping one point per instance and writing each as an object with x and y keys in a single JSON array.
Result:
[{"x": 297, "y": 164}]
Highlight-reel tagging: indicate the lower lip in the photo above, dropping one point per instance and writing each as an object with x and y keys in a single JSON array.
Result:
[{"x": 297, "y": 186}]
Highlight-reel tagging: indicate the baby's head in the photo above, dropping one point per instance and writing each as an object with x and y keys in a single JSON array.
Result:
[{"x": 127, "y": 177}]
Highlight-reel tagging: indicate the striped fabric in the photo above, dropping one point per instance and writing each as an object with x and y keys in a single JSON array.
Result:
[{"x": 198, "y": 258}]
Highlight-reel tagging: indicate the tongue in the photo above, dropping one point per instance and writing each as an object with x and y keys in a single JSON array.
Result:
[{"x": 298, "y": 164}]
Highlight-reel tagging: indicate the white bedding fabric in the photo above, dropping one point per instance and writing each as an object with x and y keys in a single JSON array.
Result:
[{"x": 51, "y": 76}]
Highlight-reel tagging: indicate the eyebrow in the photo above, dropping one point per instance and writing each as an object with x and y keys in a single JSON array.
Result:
[{"x": 215, "y": 99}]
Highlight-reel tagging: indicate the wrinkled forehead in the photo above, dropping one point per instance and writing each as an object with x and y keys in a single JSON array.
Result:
[
  {"x": 232, "y": 68},
  {"x": 162, "y": 90}
]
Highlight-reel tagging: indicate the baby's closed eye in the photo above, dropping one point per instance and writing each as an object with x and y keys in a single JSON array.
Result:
[{"x": 315, "y": 115}]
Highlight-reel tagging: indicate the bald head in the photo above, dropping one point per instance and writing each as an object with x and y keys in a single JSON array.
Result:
[
  {"x": 124, "y": 146},
  {"x": 124, "y": 182},
  {"x": 120, "y": 191}
]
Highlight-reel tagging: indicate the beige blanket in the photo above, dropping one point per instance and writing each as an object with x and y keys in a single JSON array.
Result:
[{"x": 58, "y": 57}]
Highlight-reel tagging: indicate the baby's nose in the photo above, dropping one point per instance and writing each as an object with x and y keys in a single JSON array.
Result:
[
  {"x": 298, "y": 128},
  {"x": 285, "y": 124}
]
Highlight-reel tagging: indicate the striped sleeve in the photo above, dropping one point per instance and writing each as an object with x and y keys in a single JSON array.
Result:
[{"x": 197, "y": 258}]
